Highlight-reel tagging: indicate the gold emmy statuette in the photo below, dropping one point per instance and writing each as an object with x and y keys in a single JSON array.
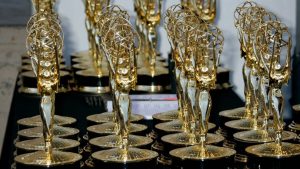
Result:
[
  {"x": 201, "y": 60},
  {"x": 205, "y": 9},
  {"x": 169, "y": 25},
  {"x": 119, "y": 45},
  {"x": 245, "y": 112},
  {"x": 112, "y": 16},
  {"x": 111, "y": 52},
  {"x": 152, "y": 69},
  {"x": 184, "y": 20},
  {"x": 178, "y": 21},
  {"x": 95, "y": 78},
  {"x": 278, "y": 46},
  {"x": 104, "y": 21},
  {"x": 44, "y": 43},
  {"x": 27, "y": 78},
  {"x": 264, "y": 39},
  {"x": 193, "y": 65},
  {"x": 250, "y": 21}
]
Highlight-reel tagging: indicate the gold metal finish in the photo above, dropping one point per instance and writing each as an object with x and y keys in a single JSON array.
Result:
[
  {"x": 118, "y": 155},
  {"x": 240, "y": 19},
  {"x": 44, "y": 46},
  {"x": 152, "y": 88},
  {"x": 120, "y": 43},
  {"x": 148, "y": 17},
  {"x": 236, "y": 113},
  {"x": 41, "y": 158},
  {"x": 114, "y": 141},
  {"x": 38, "y": 144},
  {"x": 273, "y": 49},
  {"x": 285, "y": 150},
  {"x": 36, "y": 121},
  {"x": 177, "y": 126},
  {"x": 187, "y": 139},
  {"x": 89, "y": 89},
  {"x": 205, "y": 9},
  {"x": 109, "y": 117},
  {"x": 92, "y": 73},
  {"x": 112, "y": 128},
  {"x": 57, "y": 131},
  {"x": 249, "y": 20},
  {"x": 166, "y": 116},
  {"x": 197, "y": 47},
  {"x": 197, "y": 153},
  {"x": 262, "y": 136}
]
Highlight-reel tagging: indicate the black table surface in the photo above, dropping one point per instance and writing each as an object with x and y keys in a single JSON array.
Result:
[{"x": 79, "y": 106}]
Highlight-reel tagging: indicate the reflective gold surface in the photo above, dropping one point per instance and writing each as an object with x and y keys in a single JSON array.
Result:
[
  {"x": 58, "y": 131},
  {"x": 91, "y": 89},
  {"x": 294, "y": 127},
  {"x": 29, "y": 67},
  {"x": 205, "y": 9},
  {"x": 38, "y": 144},
  {"x": 153, "y": 72},
  {"x": 114, "y": 141},
  {"x": 166, "y": 116},
  {"x": 262, "y": 136},
  {"x": 93, "y": 73},
  {"x": 198, "y": 153},
  {"x": 109, "y": 117},
  {"x": 31, "y": 74},
  {"x": 112, "y": 128},
  {"x": 245, "y": 124},
  {"x": 187, "y": 139},
  {"x": 272, "y": 150},
  {"x": 44, "y": 46},
  {"x": 237, "y": 113},
  {"x": 132, "y": 155},
  {"x": 177, "y": 126},
  {"x": 41, "y": 158},
  {"x": 36, "y": 121}
]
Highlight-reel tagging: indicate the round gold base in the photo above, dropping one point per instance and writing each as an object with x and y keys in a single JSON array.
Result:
[
  {"x": 58, "y": 131},
  {"x": 108, "y": 117},
  {"x": 42, "y": 159},
  {"x": 245, "y": 124},
  {"x": 110, "y": 128},
  {"x": 38, "y": 144},
  {"x": 198, "y": 153},
  {"x": 187, "y": 139},
  {"x": 114, "y": 141},
  {"x": 262, "y": 136},
  {"x": 176, "y": 126},
  {"x": 166, "y": 116},
  {"x": 295, "y": 127},
  {"x": 36, "y": 121},
  {"x": 118, "y": 155},
  {"x": 237, "y": 113},
  {"x": 205, "y": 158},
  {"x": 273, "y": 155},
  {"x": 273, "y": 150}
]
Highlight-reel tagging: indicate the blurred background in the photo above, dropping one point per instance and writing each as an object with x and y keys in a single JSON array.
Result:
[{"x": 14, "y": 15}]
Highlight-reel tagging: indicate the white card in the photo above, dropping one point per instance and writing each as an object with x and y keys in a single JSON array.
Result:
[{"x": 155, "y": 104}]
